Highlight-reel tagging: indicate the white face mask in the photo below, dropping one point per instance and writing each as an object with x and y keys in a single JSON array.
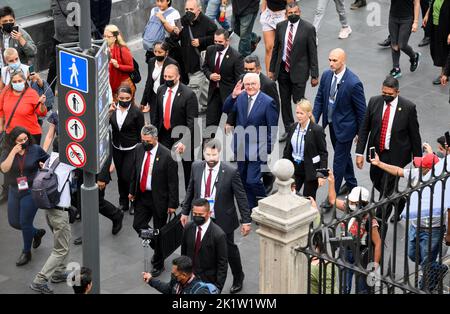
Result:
[{"x": 352, "y": 207}]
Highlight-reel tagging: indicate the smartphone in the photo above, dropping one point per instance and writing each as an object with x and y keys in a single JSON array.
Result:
[
  {"x": 15, "y": 28},
  {"x": 324, "y": 171},
  {"x": 372, "y": 152},
  {"x": 31, "y": 69},
  {"x": 447, "y": 138}
]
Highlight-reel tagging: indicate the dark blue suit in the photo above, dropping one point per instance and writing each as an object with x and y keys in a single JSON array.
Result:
[
  {"x": 253, "y": 138},
  {"x": 348, "y": 115}
]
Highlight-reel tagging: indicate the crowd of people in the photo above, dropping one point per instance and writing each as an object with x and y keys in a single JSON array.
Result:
[{"x": 194, "y": 71}]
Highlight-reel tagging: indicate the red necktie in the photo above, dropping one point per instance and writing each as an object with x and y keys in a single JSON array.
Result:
[
  {"x": 287, "y": 65},
  {"x": 167, "y": 110},
  {"x": 208, "y": 184},
  {"x": 145, "y": 173},
  {"x": 198, "y": 241},
  {"x": 384, "y": 126},
  {"x": 217, "y": 67}
]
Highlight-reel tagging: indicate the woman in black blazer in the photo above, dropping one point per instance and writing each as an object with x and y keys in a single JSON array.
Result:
[
  {"x": 126, "y": 122},
  {"x": 307, "y": 149},
  {"x": 155, "y": 78}
]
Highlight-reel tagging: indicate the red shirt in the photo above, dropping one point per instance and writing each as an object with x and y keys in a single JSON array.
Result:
[
  {"x": 26, "y": 112},
  {"x": 125, "y": 61}
]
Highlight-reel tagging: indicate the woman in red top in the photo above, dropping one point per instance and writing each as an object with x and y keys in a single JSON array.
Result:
[
  {"x": 121, "y": 63},
  {"x": 29, "y": 107}
]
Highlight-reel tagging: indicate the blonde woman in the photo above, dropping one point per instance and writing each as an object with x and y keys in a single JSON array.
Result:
[
  {"x": 307, "y": 149},
  {"x": 121, "y": 63}
]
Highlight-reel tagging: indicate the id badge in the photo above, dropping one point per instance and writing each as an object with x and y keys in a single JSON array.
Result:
[
  {"x": 22, "y": 183},
  {"x": 211, "y": 206}
]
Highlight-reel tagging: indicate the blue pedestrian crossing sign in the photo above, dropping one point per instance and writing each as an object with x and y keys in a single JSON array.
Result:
[{"x": 73, "y": 71}]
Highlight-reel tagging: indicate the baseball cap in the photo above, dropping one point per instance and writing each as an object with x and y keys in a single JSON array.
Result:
[
  {"x": 357, "y": 193},
  {"x": 426, "y": 161}
]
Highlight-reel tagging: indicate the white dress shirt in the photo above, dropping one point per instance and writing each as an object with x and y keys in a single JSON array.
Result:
[
  {"x": 174, "y": 92},
  {"x": 286, "y": 36},
  {"x": 339, "y": 78},
  {"x": 156, "y": 76},
  {"x": 214, "y": 173},
  {"x": 391, "y": 120},
  {"x": 148, "y": 186},
  {"x": 120, "y": 117},
  {"x": 205, "y": 227}
]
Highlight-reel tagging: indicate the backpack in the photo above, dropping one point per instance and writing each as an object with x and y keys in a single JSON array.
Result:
[
  {"x": 154, "y": 30},
  {"x": 45, "y": 186},
  {"x": 199, "y": 285}
]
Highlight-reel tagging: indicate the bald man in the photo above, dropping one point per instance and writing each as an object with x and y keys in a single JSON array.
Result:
[{"x": 341, "y": 103}]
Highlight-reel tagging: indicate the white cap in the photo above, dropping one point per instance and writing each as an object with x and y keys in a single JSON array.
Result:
[{"x": 358, "y": 193}]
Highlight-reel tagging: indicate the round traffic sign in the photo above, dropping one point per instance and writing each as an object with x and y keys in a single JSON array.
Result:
[
  {"x": 75, "y": 103},
  {"x": 75, "y": 129},
  {"x": 76, "y": 155}
]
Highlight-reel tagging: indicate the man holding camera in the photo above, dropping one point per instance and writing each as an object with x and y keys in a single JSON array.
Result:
[{"x": 154, "y": 187}]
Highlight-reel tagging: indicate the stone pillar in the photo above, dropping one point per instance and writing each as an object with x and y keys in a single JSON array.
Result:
[{"x": 284, "y": 220}]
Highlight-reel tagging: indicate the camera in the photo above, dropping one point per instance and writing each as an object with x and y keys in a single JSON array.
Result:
[
  {"x": 323, "y": 171},
  {"x": 148, "y": 234}
]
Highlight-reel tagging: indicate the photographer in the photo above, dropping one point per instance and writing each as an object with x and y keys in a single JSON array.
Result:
[{"x": 182, "y": 281}]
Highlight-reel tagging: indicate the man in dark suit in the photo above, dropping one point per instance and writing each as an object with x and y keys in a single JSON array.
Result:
[
  {"x": 255, "y": 132},
  {"x": 177, "y": 106},
  {"x": 341, "y": 102},
  {"x": 154, "y": 187},
  {"x": 294, "y": 60},
  {"x": 391, "y": 126},
  {"x": 223, "y": 67},
  {"x": 220, "y": 184},
  {"x": 206, "y": 244}
]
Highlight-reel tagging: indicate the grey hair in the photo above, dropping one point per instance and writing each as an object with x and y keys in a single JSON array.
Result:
[
  {"x": 18, "y": 72},
  {"x": 9, "y": 52},
  {"x": 198, "y": 3},
  {"x": 253, "y": 59},
  {"x": 149, "y": 130},
  {"x": 213, "y": 144},
  {"x": 254, "y": 75}
]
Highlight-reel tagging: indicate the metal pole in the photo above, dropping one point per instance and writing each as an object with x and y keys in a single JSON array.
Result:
[{"x": 84, "y": 30}]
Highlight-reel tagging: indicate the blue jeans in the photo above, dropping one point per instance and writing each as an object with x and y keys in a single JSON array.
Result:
[
  {"x": 243, "y": 27},
  {"x": 428, "y": 263},
  {"x": 360, "y": 280},
  {"x": 21, "y": 212},
  {"x": 212, "y": 10}
]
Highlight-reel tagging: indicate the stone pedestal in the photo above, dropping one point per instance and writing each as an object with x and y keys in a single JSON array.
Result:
[{"x": 284, "y": 220}]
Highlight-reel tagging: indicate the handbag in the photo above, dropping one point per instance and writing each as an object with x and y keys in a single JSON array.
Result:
[
  {"x": 3, "y": 134},
  {"x": 170, "y": 235},
  {"x": 135, "y": 76}
]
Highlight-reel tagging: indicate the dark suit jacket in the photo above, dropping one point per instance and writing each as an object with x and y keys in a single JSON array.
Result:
[
  {"x": 231, "y": 68},
  {"x": 212, "y": 263},
  {"x": 405, "y": 139},
  {"x": 349, "y": 106},
  {"x": 263, "y": 116},
  {"x": 315, "y": 145},
  {"x": 184, "y": 108},
  {"x": 164, "y": 178},
  {"x": 228, "y": 186},
  {"x": 130, "y": 133},
  {"x": 148, "y": 91},
  {"x": 304, "y": 61}
]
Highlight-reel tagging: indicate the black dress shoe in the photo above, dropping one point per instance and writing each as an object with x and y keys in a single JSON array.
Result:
[
  {"x": 385, "y": 43},
  {"x": 78, "y": 241},
  {"x": 425, "y": 41},
  {"x": 156, "y": 272},
  {"x": 23, "y": 259},
  {"x": 283, "y": 137},
  {"x": 117, "y": 223},
  {"x": 237, "y": 284},
  {"x": 38, "y": 238}
]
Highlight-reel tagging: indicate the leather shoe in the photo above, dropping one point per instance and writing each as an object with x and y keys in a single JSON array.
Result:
[
  {"x": 385, "y": 43},
  {"x": 23, "y": 259},
  {"x": 237, "y": 284},
  {"x": 117, "y": 223},
  {"x": 268, "y": 180},
  {"x": 156, "y": 272},
  {"x": 78, "y": 241},
  {"x": 283, "y": 137},
  {"x": 424, "y": 42},
  {"x": 345, "y": 189},
  {"x": 38, "y": 238}
]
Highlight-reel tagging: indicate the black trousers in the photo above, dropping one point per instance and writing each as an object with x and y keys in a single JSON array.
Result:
[
  {"x": 288, "y": 90},
  {"x": 214, "y": 108},
  {"x": 144, "y": 211},
  {"x": 106, "y": 208},
  {"x": 234, "y": 257},
  {"x": 164, "y": 138},
  {"x": 310, "y": 188},
  {"x": 124, "y": 161},
  {"x": 424, "y": 5}
]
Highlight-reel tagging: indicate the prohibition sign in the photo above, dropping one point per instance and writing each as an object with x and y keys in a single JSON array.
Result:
[
  {"x": 75, "y": 129},
  {"x": 75, "y": 103},
  {"x": 76, "y": 155}
]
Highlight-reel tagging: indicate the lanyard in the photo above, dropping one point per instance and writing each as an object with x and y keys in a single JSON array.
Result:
[{"x": 21, "y": 162}]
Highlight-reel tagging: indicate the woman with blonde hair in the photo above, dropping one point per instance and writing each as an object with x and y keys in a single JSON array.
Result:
[
  {"x": 307, "y": 149},
  {"x": 121, "y": 63}
]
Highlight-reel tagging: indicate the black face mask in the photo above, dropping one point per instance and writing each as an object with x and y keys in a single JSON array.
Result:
[
  {"x": 388, "y": 99},
  {"x": 170, "y": 83},
  {"x": 293, "y": 18},
  {"x": 190, "y": 16},
  {"x": 124, "y": 104},
  {"x": 199, "y": 220},
  {"x": 160, "y": 58},
  {"x": 25, "y": 145},
  {"x": 8, "y": 27},
  {"x": 147, "y": 146},
  {"x": 220, "y": 47}
]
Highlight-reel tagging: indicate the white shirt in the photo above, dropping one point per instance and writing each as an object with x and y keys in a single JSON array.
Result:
[
  {"x": 148, "y": 185},
  {"x": 121, "y": 116},
  {"x": 171, "y": 18},
  {"x": 252, "y": 102},
  {"x": 294, "y": 31},
  {"x": 204, "y": 227},
  {"x": 156, "y": 75},
  {"x": 214, "y": 173},
  {"x": 166, "y": 95},
  {"x": 339, "y": 78},
  {"x": 391, "y": 120}
]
